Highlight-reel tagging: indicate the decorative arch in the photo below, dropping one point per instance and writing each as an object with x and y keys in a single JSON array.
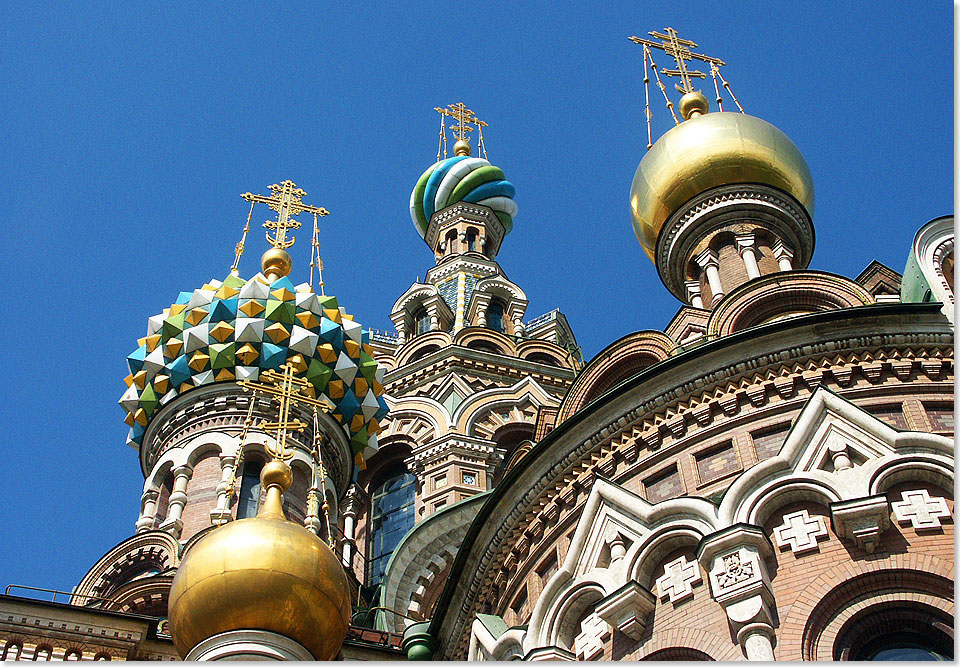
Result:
[
  {"x": 423, "y": 344},
  {"x": 469, "y": 413},
  {"x": 498, "y": 286},
  {"x": 470, "y": 336},
  {"x": 413, "y": 296},
  {"x": 614, "y": 364},
  {"x": 784, "y": 294},
  {"x": 689, "y": 644},
  {"x": 533, "y": 349},
  {"x": 154, "y": 549}
]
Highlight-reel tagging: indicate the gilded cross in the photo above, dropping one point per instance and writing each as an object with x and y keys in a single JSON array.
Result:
[
  {"x": 291, "y": 390},
  {"x": 463, "y": 116},
  {"x": 679, "y": 50},
  {"x": 287, "y": 201}
]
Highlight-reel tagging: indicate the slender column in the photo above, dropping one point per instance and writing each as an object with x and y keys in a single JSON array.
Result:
[
  {"x": 148, "y": 511},
  {"x": 757, "y": 641},
  {"x": 402, "y": 334},
  {"x": 178, "y": 498},
  {"x": 784, "y": 256},
  {"x": 709, "y": 262},
  {"x": 693, "y": 293},
  {"x": 349, "y": 523},
  {"x": 518, "y": 327},
  {"x": 222, "y": 513},
  {"x": 748, "y": 251}
]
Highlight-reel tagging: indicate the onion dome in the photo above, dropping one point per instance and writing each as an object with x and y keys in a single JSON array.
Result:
[
  {"x": 231, "y": 330},
  {"x": 462, "y": 178},
  {"x": 710, "y": 150},
  {"x": 265, "y": 573}
]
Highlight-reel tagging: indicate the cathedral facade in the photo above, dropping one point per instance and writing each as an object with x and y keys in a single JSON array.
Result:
[{"x": 768, "y": 477}]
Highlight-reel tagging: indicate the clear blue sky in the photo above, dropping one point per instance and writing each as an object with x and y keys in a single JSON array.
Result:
[{"x": 128, "y": 131}]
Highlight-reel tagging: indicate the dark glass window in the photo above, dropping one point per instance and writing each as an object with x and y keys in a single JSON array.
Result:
[
  {"x": 422, "y": 320},
  {"x": 495, "y": 316},
  {"x": 900, "y": 646},
  {"x": 471, "y": 239},
  {"x": 249, "y": 498},
  {"x": 391, "y": 517}
]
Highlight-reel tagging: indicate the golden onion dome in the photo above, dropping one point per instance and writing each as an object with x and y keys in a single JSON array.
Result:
[
  {"x": 708, "y": 151},
  {"x": 263, "y": 573}
]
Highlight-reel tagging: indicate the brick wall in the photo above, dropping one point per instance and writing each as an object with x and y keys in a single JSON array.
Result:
[{"x": 201, "y": 495}]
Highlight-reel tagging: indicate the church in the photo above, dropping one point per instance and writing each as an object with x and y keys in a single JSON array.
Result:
[{"x": 767, "y": 477}]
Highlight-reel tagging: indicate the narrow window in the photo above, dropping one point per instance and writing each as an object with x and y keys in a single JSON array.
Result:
[
  {"x": 422, "y": 320},
  {"x": 471, "y": 238},
  {"x": 249, "y": 499},
  {"x": 391, "y": 517},
  {"x": 495, "y": 316}
]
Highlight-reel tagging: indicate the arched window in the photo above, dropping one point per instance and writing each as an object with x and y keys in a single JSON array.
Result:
[
  {"x": 11, "y": 651},
  {"x": 42, "y": 653},
  {"x": 102, "y": 656},
  {"x": 495, "y": 316},
  {"x": 391, "y": 517},
  {"x": 451, "y": 241},
  {"x": 421, "y": 319},
  {"x": 249, "y": 499},
  {"x": 471, "y": 238},
  {"x": 72, "y": 654}
]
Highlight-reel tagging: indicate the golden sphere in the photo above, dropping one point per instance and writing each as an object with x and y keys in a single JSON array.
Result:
[
  {"x": 462, "y": 147},
  {"x": 276, "y": 473},
  {"x": 693, "y": 103},
  {"x": 276, "y": 263},
  {"x": 264, "y": 573},
  {"x": 709, "y": 151}
]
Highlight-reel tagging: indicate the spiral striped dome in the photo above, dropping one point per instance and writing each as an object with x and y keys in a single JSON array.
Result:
[{"x": 462, "y": 178}]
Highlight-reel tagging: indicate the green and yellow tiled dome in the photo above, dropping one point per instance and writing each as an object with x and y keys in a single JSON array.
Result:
[{"x": 232, "y": 329}]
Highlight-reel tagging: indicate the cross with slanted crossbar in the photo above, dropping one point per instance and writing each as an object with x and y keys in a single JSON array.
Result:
[
  {"x": 291, "y": 390},
  {"x": 287, "y": 201},
  {"x": 679, "y": 50}
]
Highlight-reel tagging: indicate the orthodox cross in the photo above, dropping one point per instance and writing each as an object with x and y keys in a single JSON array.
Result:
[
  {"x": 287, "y": 201},
  {"x": 679, "y": 50},
  {"x": 291, "y": 390},
  {"x": 464, "y": 116}
]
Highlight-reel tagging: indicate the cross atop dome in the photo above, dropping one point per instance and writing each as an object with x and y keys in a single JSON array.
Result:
[{"x": 465, "y": 120}]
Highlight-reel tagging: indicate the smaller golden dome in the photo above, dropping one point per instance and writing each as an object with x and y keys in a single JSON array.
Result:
[
  {"x": 708, "y": 151},
  {"x": 462, "y": 147},
  {"x": 276, "y": 263},
  {"x": 264, "y": 573}
]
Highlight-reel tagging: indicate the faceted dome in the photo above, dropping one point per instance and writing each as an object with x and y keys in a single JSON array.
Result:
[
  {"x": 231, "y": 330},
  {"x": 708, "y": 151},
  {"x": 265, "y": 573},
  {"x": 462, "y": 178}
]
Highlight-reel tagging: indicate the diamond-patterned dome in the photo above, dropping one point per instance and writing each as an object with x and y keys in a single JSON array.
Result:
[{"x": 232, "y": 329}]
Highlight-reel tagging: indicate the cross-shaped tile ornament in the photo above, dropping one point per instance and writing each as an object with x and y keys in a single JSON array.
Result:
[
  {"x": 678, "y": 579},
  {"x": 920, "y": 509},
  {"x": 800, "y": 531},
  {"x": 589, "y": 643}
]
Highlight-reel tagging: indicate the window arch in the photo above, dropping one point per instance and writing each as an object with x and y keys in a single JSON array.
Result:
[
  {"x": 495, "y": 316},
  {"x": 391, "y": 516},
  {"x": 471, "y": 239},
  {"x": 249, "y": 499},
  {"x": 42, "y": 652},
  {"x": 72, "y": 654},
  {"x": 12, "y": 650}
]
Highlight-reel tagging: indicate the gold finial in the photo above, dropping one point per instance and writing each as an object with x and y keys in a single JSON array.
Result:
[
  {"x": 465, "y": 118},
  {"x": 290, "y": 390},
  {"x": 679, "y": 50}
]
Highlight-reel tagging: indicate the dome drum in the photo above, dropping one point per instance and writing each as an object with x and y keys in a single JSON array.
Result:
[{"x": 740, "y": 209}]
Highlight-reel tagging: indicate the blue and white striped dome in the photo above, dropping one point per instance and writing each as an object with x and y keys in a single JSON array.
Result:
[{"x": 462, "y": 178}]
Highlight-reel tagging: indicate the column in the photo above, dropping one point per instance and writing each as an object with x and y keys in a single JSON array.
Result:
[
  {"x": 178, "y": 498},
  {"x": 735, "y": 558},
  {"x": 148, "y": 510},
  {"x": 221, "y": 514},
  {"x": 709, "y": 262},
  {"x": 693, "y": 293},
  {"x": 434, "y": 318},
  {"x": 783, "y": 255},
  {"x": 748, "y": 251},
  {"x": 351, "y": 502}
]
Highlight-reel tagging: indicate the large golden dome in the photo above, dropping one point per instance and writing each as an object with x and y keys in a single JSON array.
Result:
[
  {"x": 707, "y": 151},
  {"x": 264, "y": 573}
]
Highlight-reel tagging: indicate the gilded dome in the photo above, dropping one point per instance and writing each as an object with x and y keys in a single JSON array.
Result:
[
  {"x": 708, "y": 151},
  {"x": 264, "y": 573}
]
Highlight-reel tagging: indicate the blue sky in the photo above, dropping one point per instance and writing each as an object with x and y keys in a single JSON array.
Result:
[{"x": 129, "y": 131}]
